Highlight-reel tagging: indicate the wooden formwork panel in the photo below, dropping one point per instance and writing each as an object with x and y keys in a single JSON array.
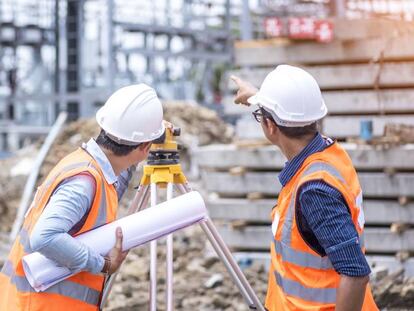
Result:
[
  {"x": 377, "y": 212},
  {"x": 333, "y": 126},
  {"x": 389, "y": 262},
  {"x": 355, "y": 29},
  {"x": 271, "y": 53},
  {"x": 377, "y": 240},
  {"x": 374, "y": 185},
  {"x": 351, "y": 102},
  {"x": 349, "y": 126},
  {"x": 364, "y": 157},
  {"x": 349, "y": 76}
]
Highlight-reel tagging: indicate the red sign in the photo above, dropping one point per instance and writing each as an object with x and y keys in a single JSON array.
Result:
[
  {"x": 301, "y": 28},
  {"x": 273, "y": 27},
  {"x": 324, "y": 31}
]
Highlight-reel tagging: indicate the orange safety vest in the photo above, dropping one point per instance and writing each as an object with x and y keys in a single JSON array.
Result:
[
  {"x": 299, "y": 278},
  {"x": 81, "y": 291}
]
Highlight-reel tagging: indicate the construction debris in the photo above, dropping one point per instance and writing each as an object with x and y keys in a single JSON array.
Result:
[
  {"x": 394, "y": 292},
  {"x": 402, "y": 133},
  {"x": 199, "y": 125}
]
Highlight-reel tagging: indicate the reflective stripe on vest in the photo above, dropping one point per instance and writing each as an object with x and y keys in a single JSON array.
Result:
[
  {"x": 315, "y": 167},
  {"x": 49, "y": 181},
  {"x": 66, "y": 288},
  {"x": 305, "y": 259},
  {"x": 25, "y": 241},
  {"x": 293, "y": 288},
  {"x": 101, "y": 218}
]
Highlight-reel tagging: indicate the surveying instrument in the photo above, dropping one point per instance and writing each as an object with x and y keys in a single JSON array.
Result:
[{"x": 163, "y": 170}]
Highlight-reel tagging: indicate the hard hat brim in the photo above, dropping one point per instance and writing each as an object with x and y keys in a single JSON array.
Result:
[
  {"x": 260, "y": 102},
  {"x": 254, "y": 100},
  {"x": 123, "y": 140}
]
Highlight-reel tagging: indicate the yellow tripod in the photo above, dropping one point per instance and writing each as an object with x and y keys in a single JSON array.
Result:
[{"x": 163, "y": 170}]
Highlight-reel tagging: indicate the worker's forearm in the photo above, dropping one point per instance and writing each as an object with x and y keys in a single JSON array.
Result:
[
  {"x": 70, "y": 253},
  {"x": 351, "y": 293}
]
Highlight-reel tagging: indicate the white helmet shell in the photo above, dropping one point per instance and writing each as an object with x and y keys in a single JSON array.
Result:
[
  {"x": 292, "y": 96},
  {"x": 132, "y": 115}
]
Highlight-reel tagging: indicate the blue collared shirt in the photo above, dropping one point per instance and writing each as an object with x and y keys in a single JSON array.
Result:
[
  {"x": 67, "y": 206},
  {"x": 324, "y": 218}
]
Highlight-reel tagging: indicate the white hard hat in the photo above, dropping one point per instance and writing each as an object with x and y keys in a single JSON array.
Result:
[
  {"x": 292, "y": 96},
  {"x": 132, "y": 115}
]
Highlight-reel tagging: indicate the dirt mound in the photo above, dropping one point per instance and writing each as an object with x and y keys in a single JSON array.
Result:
[{"x": 199, "y": 125}]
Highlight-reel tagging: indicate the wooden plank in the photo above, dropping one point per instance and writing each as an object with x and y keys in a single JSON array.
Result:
[
  {"x": 333, "y": 126},
  {"x": 375, "y": 185},
  {"x": 348, "y": 126},
  {"x": 355, "y": 29},
  {"x": 377, "y": 240},
  {"x": 247, "y": 128},
  {"x": 389, "y": 262},
  {"x": 351, "y": 102},
  {"x": 348, "y": 76},
  {"x": 271, "y": 52},
  {"x": 241, "y": 209},
  {"x": 384, "y": 101},
  {"x": 270, "y": 158},
  {"x": 376, "y": 211}
]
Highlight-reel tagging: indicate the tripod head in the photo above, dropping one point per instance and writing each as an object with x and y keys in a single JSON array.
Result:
[{"x": 164, "y": 150}]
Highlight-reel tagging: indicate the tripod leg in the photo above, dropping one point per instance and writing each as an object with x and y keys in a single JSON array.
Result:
[
  {"x": 169, "y": 260},
  {"x": 227, "y": 258},
  {"x": 153, "y": 258},
  {"x": 183, "y": 188},
  {"x": 140, "y": 200}
]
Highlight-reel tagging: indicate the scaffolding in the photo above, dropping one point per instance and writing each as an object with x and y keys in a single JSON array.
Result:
[{"x": 72, "y": 54}]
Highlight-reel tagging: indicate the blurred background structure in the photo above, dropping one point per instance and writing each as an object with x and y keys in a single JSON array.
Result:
[{"x": 70, "y": 55}]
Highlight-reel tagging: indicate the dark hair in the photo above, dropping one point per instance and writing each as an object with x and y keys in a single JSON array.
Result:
[
  {"x": 119, "y": 150},
  {"x": 299, "y": 132},
  {"x": 293, "y": 132}
]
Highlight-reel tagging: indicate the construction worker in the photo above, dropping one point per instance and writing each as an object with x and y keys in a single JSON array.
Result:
[
  {"x": 317, "y": 250},
  {"x": 79, "y": 194}
]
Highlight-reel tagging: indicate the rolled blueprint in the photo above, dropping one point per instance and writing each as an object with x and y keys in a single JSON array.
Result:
[{"x": 138, "y": 229}]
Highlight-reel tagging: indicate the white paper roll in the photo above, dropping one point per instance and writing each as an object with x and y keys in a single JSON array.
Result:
[{"x": 138, "y": 229}]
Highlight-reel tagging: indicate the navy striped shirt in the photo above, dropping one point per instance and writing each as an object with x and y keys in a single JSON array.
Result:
[{"x": 323, "y": 217}]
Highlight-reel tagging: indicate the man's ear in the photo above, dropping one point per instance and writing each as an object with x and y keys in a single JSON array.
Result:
[
  {"x": 145, "y": 146},
  {"x": 271, "y": 126}
]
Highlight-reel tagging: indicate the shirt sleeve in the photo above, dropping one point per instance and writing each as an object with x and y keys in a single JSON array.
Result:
[
  {"x": 328, "y": 217},
  {"x": 67, "y": 206}
]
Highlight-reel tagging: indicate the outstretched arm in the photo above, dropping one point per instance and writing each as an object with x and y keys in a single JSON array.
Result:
[{"x": 244, "y": 92}]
